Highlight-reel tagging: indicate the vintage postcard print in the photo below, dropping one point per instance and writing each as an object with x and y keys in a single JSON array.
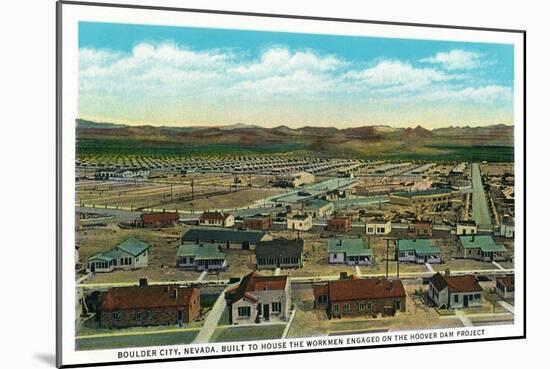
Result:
[{"x": 236, "y": 184}]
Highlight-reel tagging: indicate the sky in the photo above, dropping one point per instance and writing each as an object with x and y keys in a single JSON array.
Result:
[{"x": 182, "y": 76}]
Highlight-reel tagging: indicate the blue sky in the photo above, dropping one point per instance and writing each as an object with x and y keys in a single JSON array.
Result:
[{"x": 163, "y": 75}]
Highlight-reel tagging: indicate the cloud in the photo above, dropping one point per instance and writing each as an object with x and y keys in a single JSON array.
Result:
[
  {"x": 456, "y": 60},
  {"x": 169, "y": 70},
  {"x": 397, "y": 75}
]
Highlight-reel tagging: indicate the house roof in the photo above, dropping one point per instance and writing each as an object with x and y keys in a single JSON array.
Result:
[
  {"x": 254, "y": 282},
  {"x": 456, "y": 283},
  {"x": 316, "y": 203},
  {"x": 146, "y": 297},
  {"x": 101, "y": 257},
  {"x": 351, "y": 246},
  {"x": 201, "y": 251},
  {"x": 430, "y": 192},
  {"x": 214, "y": 215},
  {"x": 369, "y": 288},
  {"x": 223, "y": 235},
  {"x": 419, "y": 246},
  {"x": 300, "y": 216},
  {"x": 507, "y": 281},
  {"x": 484, "y": 242},
  {"x": 156, "y": 217},
  {"x": 133, "y": 246},
  {"x": 280, "y": 247}
]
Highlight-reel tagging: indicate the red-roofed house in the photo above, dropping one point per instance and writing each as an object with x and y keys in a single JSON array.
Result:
[
  {"x": 259, "y": 298},
  {"x": 505, "y": 286},
  {"x": 146, "y": 305},
  {"x": 355, "y": 296},
  {"x": 217, "y": 219},
  {"x": 158, "y": 219},
  {"x": 454, "y": 292}
]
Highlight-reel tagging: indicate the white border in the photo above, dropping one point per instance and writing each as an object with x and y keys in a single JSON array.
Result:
[{"x": 72, "y": 14}]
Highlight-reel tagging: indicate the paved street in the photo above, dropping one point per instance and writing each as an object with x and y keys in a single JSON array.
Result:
[{"x": 480, "y": 209}]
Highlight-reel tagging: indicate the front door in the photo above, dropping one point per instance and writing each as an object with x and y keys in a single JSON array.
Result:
[
  {"x": 266, "y": 311},
  {"x": 465, "y": 297},
  {"x": 246, "y": 245},
  {"x": 92, "y": 267}
]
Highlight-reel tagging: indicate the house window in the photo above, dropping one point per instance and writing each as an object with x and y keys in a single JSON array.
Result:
[
  {"x": 149, "y": 315},
  {"x": 477, "y": 296},
  {"x": 138, "y": 315},
  {"x": 456, "y": 298},
  {"x": 361, "y": 306},
  {"x": 322, "y": 299},
  {"x": 397, "y": 304},
  {"x": 347, "y": 307},
  {"x": 276, "y": 307},
  {"x": 336, "y": 308},
  {"x": 116, "y": 315},
  {"x": 244, "y": 311},
  {"x": 470, "y": 297},
  {"x": 369, "y": 306}
]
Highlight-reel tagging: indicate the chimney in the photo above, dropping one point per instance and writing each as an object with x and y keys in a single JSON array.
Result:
[
  {"x": 447, "y": 272},
  {"x": 143, "y": 282},
  {"x": 343, "y": 275}
]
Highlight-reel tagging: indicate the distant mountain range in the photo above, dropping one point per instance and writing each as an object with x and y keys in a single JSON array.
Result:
[{"x": 377, "y": 140}]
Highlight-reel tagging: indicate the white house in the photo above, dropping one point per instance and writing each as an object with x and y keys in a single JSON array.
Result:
[
  {"x": 419, "y": 251},
  {"x": 378, "y": 226},
  {"x": 350, "y": 251},
  {"x": 259, "y": 299},
  {"x": 455, "y": 292},
  {"x": 505, "y": 286},
  {"x": 201, "y": 256},
  {"x": 130, "y": 254},
  {"x": 217, "y": 219},
  {"x": 299, "y": 222},
  {"x": 507, "y": 230},
  {"x": 466, "y": 227},
  {"x": 481, "y": 247}
]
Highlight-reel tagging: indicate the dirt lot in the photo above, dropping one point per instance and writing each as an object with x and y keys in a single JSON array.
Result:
[{"x": 210, "y": 192}]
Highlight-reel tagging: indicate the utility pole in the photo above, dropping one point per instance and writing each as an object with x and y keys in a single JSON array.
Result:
[{"x": 387, "y": 250}]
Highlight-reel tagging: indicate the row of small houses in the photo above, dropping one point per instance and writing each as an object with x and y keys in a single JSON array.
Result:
[
  {"x": 203, "y": 249},
  {"x": 256, "y": 299},
  {"x": 303, "y": 221}
]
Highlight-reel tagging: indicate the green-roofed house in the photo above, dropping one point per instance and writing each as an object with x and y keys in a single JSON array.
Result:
[
  {"x": 418, "y": 250},
  {"x": 350, "y": 251},
  {"x": 201, "y": 256},
  {"x": 130, "y": 254},
  {"x": 481, "y": 247}
]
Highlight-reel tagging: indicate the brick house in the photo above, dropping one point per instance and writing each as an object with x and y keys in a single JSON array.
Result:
[
  {"x": 339, "y": 224},
  {"x": 259, "y": 222},
  {"x": 130, "y": 254},
  {"x": 259, "y": 298},
  {"x": 145, "y": 305},
  {"x": 158, "y": 219},
  {"x": 355, "y": 296},
  {"x": 217, "y": 219},
  {"x": 280, "y": 253},
  {"x": 422, "y": 228},
  {"x": 454, "y": 292},
  {"x": 505, "y": 286}
]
